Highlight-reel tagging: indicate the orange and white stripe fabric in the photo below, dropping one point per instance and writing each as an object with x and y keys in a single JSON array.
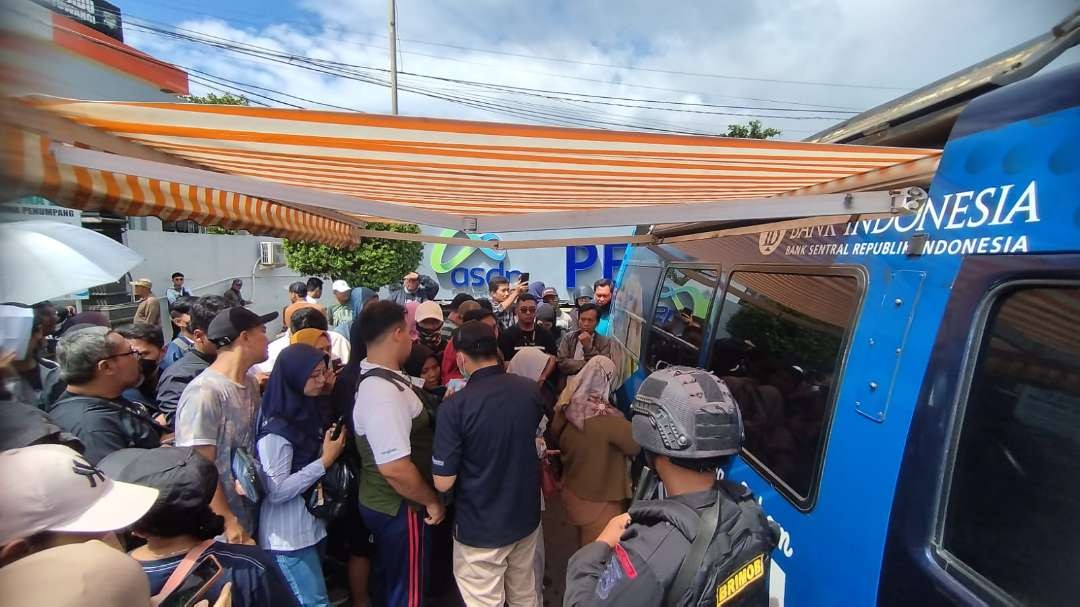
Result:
[
  {"x": 475, "y": 168},
  {"x": 30, "y": 168}
]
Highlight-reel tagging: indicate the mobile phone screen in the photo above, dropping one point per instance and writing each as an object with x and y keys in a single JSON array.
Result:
[
  {"x": 523, "y": 277},
  {"x": 195, "y": 585}
]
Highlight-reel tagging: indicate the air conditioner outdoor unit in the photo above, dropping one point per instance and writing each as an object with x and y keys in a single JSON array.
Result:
[{"x": 271, "y": 254}]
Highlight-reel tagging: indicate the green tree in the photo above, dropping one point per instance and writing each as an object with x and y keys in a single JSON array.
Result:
[
  {"x": 751, "y": 130},
  {"x": 373, "y": 263},
  {"x": 792, "y": 336},
  {"x": 215, "y": 99}
]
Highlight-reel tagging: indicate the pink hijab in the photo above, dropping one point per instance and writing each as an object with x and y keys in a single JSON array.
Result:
[
  {"x": 410, "y": 319},
  {"x": 591, "y": 393}
]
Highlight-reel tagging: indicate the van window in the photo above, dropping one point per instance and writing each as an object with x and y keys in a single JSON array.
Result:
[
  {"x": 779, "y": 345},
  {"x": 638, "y": 287},
  {"x": 1010, "y": 513},
  {"x": 679, "y": 318}
]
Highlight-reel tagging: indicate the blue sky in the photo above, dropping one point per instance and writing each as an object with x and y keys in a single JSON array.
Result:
[{"x": 752, "y": 54}]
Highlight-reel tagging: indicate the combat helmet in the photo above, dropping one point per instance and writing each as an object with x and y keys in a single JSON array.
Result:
[{"x": 687, "y": 413}]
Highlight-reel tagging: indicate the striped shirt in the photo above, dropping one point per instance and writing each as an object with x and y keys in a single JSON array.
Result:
[{"x": 284, "y": 521}]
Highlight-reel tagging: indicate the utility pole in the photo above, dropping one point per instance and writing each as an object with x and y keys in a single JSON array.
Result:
[{"x": 393, "y": 57}]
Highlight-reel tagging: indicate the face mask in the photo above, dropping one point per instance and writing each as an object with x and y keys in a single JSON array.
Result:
[
  {"x": 461, "y": 366},
  {"x": 429, "y": 337},
  {"x": 147, "y": 367}
]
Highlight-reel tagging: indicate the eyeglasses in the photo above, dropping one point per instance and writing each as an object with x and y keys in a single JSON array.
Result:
[{"x": 133, "y": 353}]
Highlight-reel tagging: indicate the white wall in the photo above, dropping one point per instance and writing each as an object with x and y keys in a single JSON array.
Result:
[{"x": 210, "y": 263}]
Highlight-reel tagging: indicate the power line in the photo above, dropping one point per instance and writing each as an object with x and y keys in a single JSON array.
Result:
[
  {"x": 353, "y": 42},
  {"x": 176, "y": 32},
  {"x": 541, "y": 116},
  {"x": 614, "y": 66},
  {"x": 266, "y": 53}
]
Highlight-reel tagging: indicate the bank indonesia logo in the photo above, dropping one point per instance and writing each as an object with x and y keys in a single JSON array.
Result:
[
  {"x": 441, "y": 265},
  {"x": 770, "y": 241}
]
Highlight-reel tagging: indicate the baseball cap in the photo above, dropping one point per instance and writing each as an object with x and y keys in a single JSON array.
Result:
[
  {"x": 459, "y": 299},
  {"x": 340, "y": 286},
  {"x": 142, "y": 282},
  {"x": 231, "y": 322},
  {"x": 549, "y": 291},
  {"x": 476, "y": 337},
  {"x": 428, "y": 310},
  {"x": 52, "y": 488},
  {"x": 185, "y": 481},
  {"x": 86, "y": 573}
]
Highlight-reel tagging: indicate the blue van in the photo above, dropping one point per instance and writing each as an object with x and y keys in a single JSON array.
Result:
[{"x": 910, "y": 385}]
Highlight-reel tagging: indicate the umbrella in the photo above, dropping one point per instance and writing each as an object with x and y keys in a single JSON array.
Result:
[{"x": 41, "y": 260}]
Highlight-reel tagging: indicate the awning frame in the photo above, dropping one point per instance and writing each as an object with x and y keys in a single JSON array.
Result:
[{"x": 811, "y": 205}]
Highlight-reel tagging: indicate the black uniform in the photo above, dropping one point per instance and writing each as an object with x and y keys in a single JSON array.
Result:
[
  {"x": 105, "y": 425},
  {"x": 645, "y": 562}
]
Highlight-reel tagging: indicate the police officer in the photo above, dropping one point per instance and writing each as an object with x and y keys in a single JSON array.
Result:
[{"x": 689, "y": 427}]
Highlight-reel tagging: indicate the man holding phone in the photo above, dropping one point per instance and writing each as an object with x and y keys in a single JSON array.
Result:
[{"x": 504, "y": 297}]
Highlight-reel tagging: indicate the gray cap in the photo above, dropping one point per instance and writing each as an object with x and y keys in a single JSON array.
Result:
[{"x": 688, "y": 413}]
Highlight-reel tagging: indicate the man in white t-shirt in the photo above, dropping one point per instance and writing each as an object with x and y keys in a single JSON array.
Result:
[
  {"x": 394, "y": 436},
  {"x": 306, "y": 318},
  {"x": 217, "y": 411}
]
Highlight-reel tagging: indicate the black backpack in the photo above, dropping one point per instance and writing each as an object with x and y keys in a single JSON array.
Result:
[{"x": 730, "y": 554}]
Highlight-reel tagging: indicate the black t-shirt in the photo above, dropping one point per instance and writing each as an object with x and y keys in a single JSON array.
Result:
[
  {"x": 485, "y": 435},
  {"x": 515, "y": 338},
  {"x": 256, "y": 579},
  {"x": 105, "y": 425}
]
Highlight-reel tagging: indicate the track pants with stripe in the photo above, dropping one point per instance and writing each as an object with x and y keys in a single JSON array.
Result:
[{"x": 402, "y": 552}]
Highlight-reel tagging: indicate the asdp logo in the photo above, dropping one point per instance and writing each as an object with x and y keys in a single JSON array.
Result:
[
  {"x": 461, "y": 276},
  {"x": 770, "y": 241},
  {"x": 441, "y": 265}
]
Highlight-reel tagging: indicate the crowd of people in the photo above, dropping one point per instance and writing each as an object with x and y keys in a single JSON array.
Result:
[{"x": 394, "y": 445}]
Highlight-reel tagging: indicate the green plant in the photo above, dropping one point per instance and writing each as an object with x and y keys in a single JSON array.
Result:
[
  {"x": 751, "y": 130},
  {"x": 215, "y": 99},
  {"x": 219, "y": 231},
  {"x": 372, "y": 263}
]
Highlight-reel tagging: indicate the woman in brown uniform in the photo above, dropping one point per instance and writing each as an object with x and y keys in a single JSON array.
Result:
[{"x": 596, "y": 441}]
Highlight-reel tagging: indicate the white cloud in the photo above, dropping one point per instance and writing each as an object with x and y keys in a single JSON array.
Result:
[{"x": 895, "y": 44}]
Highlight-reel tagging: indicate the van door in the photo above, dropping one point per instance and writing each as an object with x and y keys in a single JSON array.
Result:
[{"x": 987, "y": 500}]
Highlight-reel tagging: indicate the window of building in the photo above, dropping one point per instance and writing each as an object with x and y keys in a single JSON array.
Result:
[
  {"x": 779, "y": 345},
  {"x": 679, "y": 319},
  {"x": 1010, "y": 511},
  {"x": 186, "y": 226}
]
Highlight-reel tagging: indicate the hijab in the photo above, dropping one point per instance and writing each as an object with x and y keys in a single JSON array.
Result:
[
  {"x": 537, "y": 290},
  {"x": 529, "y": 362},
  {"x": 359, "y": 298},
  {"x": 343, "y": 397},
  {"x": 308, "y": 337},
  {"x": 590, "y": 391},
  {"x": 415, "y": 363},
  {"x": 286, "y": 410},
  {"x": 410, "y": 319}
]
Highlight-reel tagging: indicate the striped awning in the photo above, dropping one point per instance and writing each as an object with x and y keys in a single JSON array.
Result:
[
  {"x": 30, "y": 168},
  {"x": 353, "y": 167},
  {"x": 474, "y": 168}
]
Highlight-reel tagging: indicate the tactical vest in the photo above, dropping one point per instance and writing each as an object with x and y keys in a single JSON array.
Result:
[{"x": 730, "y": 552}]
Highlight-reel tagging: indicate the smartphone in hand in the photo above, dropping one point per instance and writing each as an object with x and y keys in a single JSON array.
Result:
[{"x": 337, "y": 426}]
